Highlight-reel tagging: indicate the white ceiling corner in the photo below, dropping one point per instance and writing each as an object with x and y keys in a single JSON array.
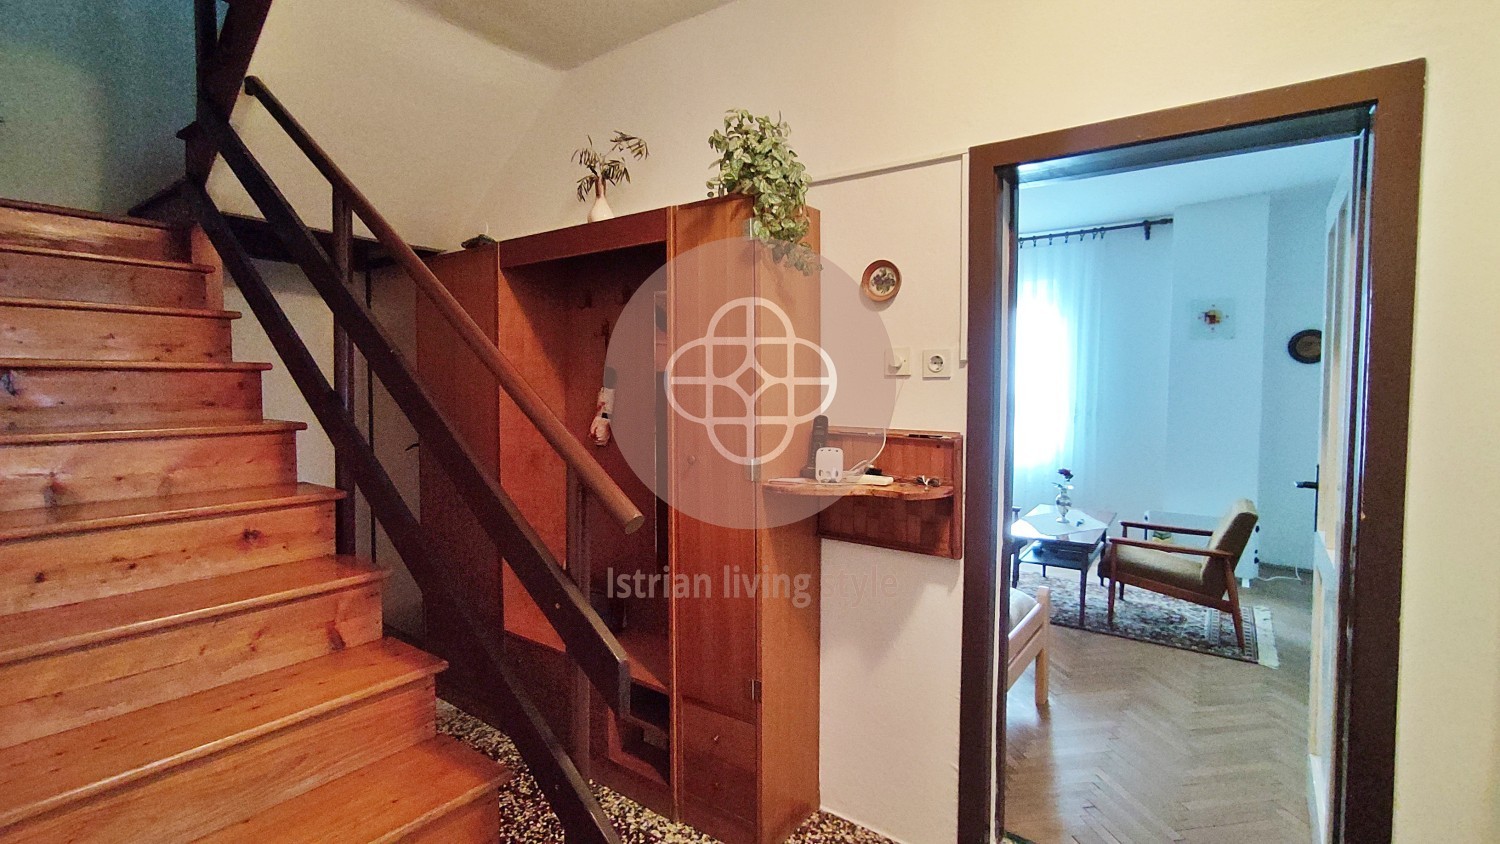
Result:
[{"x": 563, "y": 34}]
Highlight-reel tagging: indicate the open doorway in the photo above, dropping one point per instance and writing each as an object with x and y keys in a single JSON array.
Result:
[
  {"x": 1168, "y": 377},
  {"x": 1359, "y": 631}
]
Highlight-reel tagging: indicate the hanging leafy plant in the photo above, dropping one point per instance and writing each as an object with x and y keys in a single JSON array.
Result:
[
  {"x": 608, "y": 167},
  {"x": 755, "y": 160}
]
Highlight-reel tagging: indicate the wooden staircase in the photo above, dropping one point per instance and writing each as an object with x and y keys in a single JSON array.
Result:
[{"x": 183, "y": 656}]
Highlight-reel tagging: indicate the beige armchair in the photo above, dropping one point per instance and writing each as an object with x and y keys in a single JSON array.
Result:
[{"x": 1204, "y": 576}]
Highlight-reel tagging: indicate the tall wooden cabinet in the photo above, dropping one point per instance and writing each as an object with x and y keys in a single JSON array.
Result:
[{"x": 723, "y": 732}]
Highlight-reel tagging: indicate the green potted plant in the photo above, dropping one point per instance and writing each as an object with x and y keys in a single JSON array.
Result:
[
  {"x": 756, "y": 160},
  {"x": 606, "y": 168}
]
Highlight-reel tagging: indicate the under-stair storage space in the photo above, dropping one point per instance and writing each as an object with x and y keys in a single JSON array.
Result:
[{"x": 702, "y": 648}]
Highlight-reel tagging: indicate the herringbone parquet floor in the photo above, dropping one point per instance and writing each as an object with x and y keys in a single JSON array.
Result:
[{"x": 1146, "y": 744}]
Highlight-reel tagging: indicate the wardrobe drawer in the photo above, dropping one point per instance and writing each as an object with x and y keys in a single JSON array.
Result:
[
  {"x": 717, "y": 736},
  {"x": 719, "y": 755}
]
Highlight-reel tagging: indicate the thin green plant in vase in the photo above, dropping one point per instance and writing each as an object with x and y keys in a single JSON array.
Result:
[
  {"x": 756, "y": 160},
  {"x": 605, "y": 169}
]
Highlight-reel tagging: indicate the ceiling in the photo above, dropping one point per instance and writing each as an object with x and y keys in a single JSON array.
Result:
[
  {"x": 1131, "y": 196},
  {"x": 565, "y": 33}
]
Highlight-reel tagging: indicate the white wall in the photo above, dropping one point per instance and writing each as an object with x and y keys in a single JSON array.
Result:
[
  {"x": 280, "y": 397},
  {"x": 419, "y": 113},
  {"x": 1214, "y": 393},
  {"x": 91, "y": 94},
  {"x": 900, "y": 647},
  {"x": 1290, "y": 406},
  {"x": 867, "y": 83}
]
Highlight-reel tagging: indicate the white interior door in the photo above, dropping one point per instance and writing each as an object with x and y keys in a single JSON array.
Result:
[{"x": 1341, "y": 348}]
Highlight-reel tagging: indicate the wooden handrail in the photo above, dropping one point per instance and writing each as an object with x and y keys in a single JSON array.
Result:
[
  {"x": 589, "y": 472},
  {"x": 566, "y": 789},
  {"x": 589, "y": 641}
]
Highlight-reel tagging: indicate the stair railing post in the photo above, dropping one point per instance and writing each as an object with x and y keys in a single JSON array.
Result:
[{"x": 345, "y": 522}]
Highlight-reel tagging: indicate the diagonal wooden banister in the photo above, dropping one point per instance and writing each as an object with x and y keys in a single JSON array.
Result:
[
  {"x": 589, "y": 641},
  {"x": 565, "y": 787},
  {"x": 569, "y": 447},
  {"x": 222, "y": 56}
]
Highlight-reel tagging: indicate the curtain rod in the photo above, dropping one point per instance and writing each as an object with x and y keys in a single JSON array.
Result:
[{"x": 1096, "y": 230}]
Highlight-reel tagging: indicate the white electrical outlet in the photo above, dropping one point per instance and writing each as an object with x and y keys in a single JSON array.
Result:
[
  {"x": 898, "y": 361},
  {"x": 937, "y": 363}
]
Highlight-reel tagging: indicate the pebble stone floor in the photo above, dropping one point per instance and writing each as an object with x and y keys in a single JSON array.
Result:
[{"x": 527, "y": 820}]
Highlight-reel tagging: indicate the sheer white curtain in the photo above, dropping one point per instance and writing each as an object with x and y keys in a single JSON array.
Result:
[{"x": 1056, "y": 367}]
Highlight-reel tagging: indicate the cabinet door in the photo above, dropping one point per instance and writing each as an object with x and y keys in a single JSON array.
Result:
[{"x": 715, "y": 624}]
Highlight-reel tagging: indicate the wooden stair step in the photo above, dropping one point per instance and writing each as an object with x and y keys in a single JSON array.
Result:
[
  {"x": 50, "y": 468},
  {"x": 257, "y": 742},
  {"x": 130, "y": 365},
  {"x": 65, "y": 555},
  {"x": 58, "y": 274},
  {"x": 83, "y": 213},
  {"x": 47, "y": 393},
  {"x": 103, "y": 515},
  {"x": 34, "y": 224},
  {"x": 404, "y": 797},
  {"x": 60, "y": 691},
  {"x": 105, "y": 433},
  {"x": 48, "y": 329},
  {"x": 182, "y": 265},
  {"x": 35, "y": 633},
  {"x": 118, "y": 308}
]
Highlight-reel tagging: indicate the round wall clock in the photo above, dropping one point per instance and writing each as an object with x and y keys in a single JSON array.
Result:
[
  {"x": 1306, "y": 346},
  {"x": 881, "y": 282}
]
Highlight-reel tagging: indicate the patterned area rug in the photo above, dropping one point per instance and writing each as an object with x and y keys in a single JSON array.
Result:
[
  {"x": 1146, "y": 616},
  {"x": 526, "y": 819}
]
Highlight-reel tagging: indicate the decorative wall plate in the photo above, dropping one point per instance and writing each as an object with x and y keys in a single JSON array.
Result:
[
  {"x": 1306, "y": 346},
  {"x": 881, "y": 281}
]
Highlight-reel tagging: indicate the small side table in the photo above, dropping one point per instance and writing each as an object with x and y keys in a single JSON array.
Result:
[{"x": 1077, "y": 550}]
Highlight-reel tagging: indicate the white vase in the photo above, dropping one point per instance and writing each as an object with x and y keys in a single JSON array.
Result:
[{"x": 600, "y": 210}]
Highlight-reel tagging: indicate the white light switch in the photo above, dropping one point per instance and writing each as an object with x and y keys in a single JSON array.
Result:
[
  {"x": 937, "y": 363},
  {"x": 898, "y": 361}
]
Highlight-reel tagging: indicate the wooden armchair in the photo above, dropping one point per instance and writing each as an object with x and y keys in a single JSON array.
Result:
[{"x": 1204, "y": 576}]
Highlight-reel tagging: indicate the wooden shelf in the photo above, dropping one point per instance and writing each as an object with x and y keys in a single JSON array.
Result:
[
  {"x": 906, "y": 517},
  {"x": 898, "y": 490},
  {"x": 649, "y": 652},
  {"x": 625, "y": 232},
  {"x": 650, "y": 658},
  {"x": 524, "y": 620}
]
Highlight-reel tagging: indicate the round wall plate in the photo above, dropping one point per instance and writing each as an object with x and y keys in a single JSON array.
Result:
[
  {"x": 1306, "y": 346},
  {"x": 881, "y": 281}
]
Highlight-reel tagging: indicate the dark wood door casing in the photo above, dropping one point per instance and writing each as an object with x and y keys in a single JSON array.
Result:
[{"x": 1363, "y": 802}]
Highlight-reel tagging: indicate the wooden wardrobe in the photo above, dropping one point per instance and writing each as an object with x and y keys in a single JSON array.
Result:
[{"x": 723, "y": 732}]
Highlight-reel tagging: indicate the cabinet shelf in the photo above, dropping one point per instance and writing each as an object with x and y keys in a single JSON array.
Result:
[
  {"x": 649, "y": 652},
  {"x": 899, "y": 490}
]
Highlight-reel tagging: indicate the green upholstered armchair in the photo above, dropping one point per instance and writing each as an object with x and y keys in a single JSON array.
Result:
[{"x": 1204, "y": 576}]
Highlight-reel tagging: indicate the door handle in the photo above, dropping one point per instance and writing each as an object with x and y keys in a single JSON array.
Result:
[{"x": 1307, "y": 485}]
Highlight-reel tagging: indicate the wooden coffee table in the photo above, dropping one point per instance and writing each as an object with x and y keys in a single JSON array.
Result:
[{"x": 1078, "y": 549}]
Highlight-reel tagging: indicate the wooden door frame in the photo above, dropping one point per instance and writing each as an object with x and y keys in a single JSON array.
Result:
[{"x": 1370, "y": 601}]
